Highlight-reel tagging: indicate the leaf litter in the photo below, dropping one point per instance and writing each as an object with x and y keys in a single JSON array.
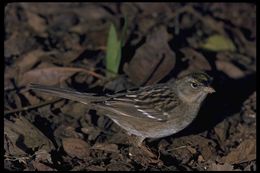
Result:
[{"x": 65, "y": 44}]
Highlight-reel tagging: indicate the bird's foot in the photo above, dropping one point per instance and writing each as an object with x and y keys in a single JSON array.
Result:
[
  {"x": 141, "y": 153},
  {"x": 144, "y": 156}
]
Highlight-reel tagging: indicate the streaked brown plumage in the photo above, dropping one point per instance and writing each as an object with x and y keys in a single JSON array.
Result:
[{"x": 150, "y": 112}]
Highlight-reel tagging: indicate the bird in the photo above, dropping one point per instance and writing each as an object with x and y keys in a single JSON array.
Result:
[{"x": 154, "y": 111}]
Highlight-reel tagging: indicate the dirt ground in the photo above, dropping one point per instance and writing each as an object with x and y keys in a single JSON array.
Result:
[{"x": 64, "y": 44}]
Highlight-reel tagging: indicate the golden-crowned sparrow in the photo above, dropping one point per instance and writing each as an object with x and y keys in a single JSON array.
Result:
[{"x": 150, "y": 112}]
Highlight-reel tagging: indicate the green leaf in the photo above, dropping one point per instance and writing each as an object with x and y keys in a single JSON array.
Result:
[
  {"x": 113, "y": 51},
  {"x": 218, "y": 43}
]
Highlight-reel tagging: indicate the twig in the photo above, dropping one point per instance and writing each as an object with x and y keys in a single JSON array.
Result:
[
  {"x": 94, "y": 74},
  {"x": 31, "y": 107},
  {"x": 77, "y": 69},
  {"x": 180, "y": 147}
]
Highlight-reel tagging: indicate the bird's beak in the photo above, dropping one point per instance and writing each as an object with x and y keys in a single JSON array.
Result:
[{"x": 209, "y": 89}]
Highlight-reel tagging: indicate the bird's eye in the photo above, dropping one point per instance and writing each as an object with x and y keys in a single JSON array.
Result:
[{"x": 194, "y": 85}]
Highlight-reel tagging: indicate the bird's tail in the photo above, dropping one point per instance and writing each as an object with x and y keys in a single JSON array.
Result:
[{"x": 85, "y": 98}]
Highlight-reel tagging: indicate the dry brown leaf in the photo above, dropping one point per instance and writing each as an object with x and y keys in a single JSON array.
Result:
[
  {"x": 154, "y": 8},
  {"x": 36, "y": 22},
  {"x": 245, "y": 62},
  {"x": 21, "y": 132},
  {"x": 41, "y": 167},
  {"x": 65, "y": 131},
  {"x": 9, "y": 74},
  {"x": 31, "y": 98},
  {"x": 98, "y": 38},
  {"x": 201, "y": 144},
  {"x": 23, "y": 64},
  {"x": 181, "y": 153},
  {"x": 94, "y": 12},
  {"x": 106, "y": 147},
  {"x": 219, "y": 167},
  {"x": 196, "y": 60},
  {"x": 49, "y": 75},
  {"x": 221, "y": 130},
  {"x": 153, "y": 60},
  {"x": 230, "y": 69},
  {"x": 19, "y": 43},
  {"x": 10, "y": 146},
  {"x": 76, "y": 147},
  {"x": 117, "y": 167},
  {"x": 245, "y": 152},
  {"x": 76, "y": 109},
  {"x": 27, "y": 61},
  {"x": 248, "y": 110},
  {"x": 95, "y": 168}
]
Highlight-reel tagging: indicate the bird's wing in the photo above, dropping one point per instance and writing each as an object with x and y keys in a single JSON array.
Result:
[{"x": 152, "y": 103}]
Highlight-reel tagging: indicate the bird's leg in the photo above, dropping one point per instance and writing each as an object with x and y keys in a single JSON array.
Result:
[
  {"x": 138, "y": 141},
  {"x": 141, "y": 153}
]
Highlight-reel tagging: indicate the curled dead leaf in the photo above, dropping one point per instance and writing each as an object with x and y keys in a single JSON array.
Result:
[{"x": 153, "y": 60}]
